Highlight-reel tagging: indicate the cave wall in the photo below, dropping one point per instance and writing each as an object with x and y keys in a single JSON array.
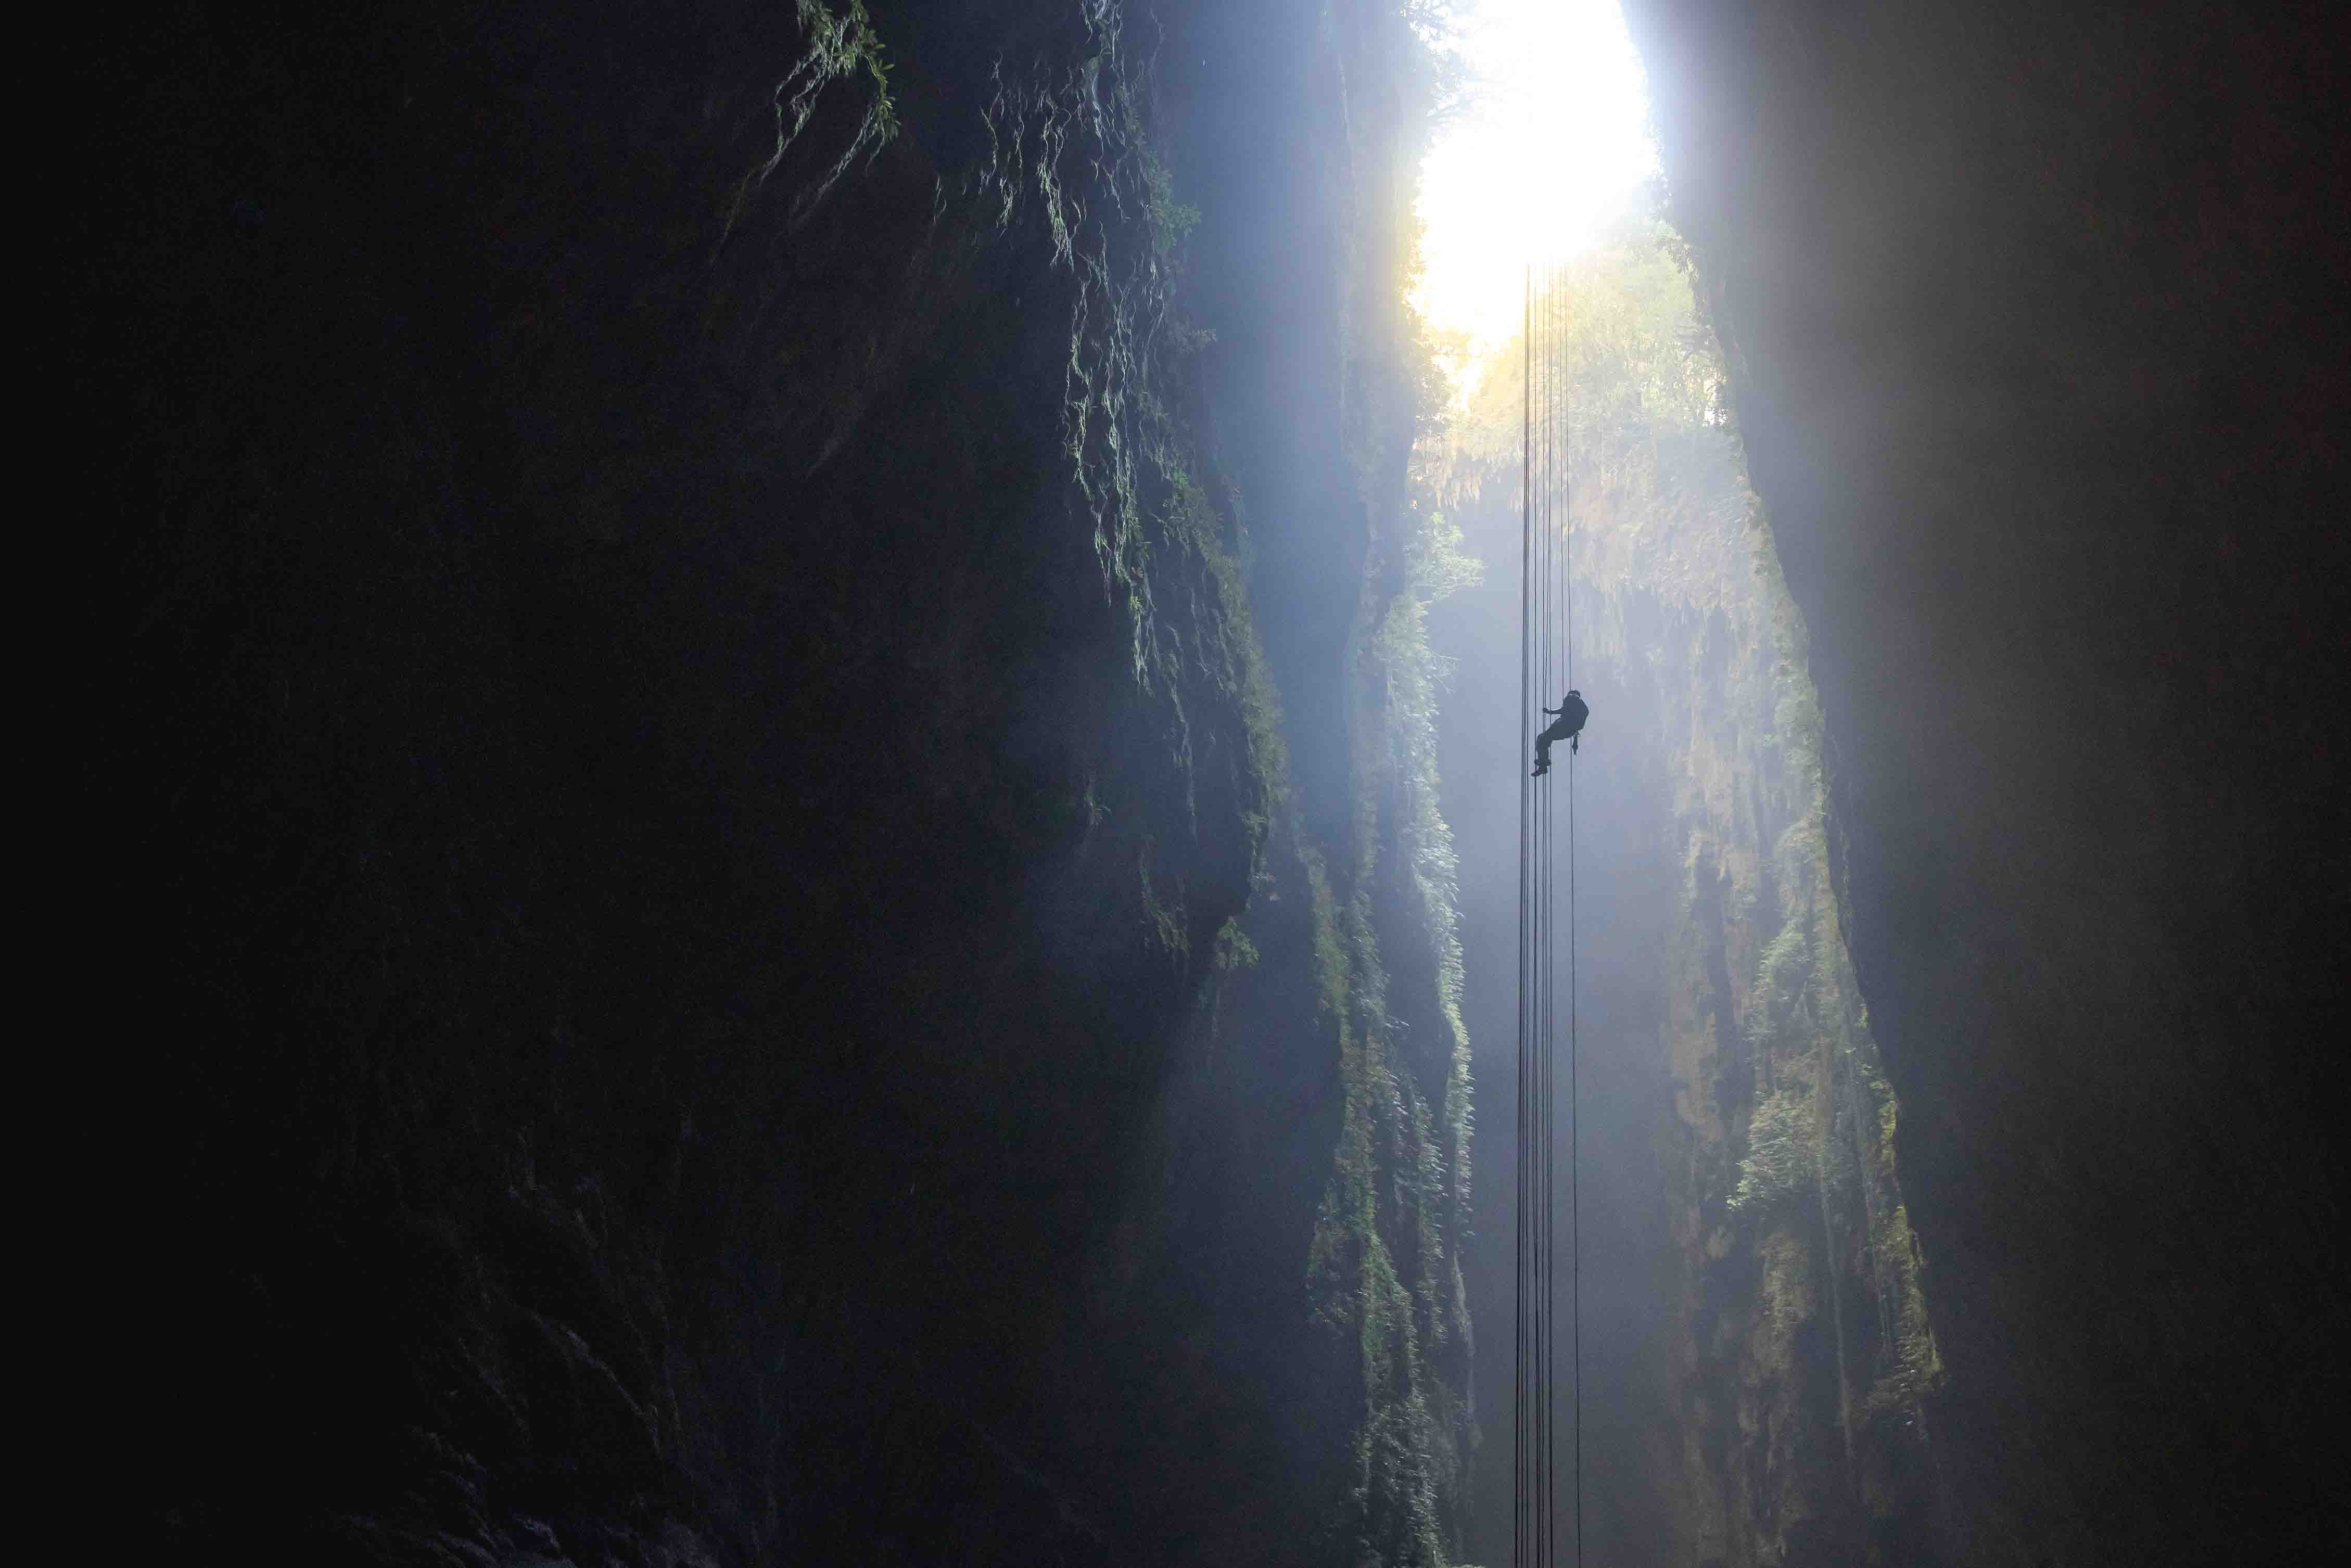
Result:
[
  {"x": 684, "y": 734},
  {"x": 2033, "y": 318}
]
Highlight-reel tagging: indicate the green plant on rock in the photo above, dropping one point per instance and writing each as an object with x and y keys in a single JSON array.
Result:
[{"x": 1780, "y": 1162}]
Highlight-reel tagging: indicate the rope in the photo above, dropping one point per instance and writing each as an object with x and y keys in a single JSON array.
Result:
[
  {"x": 1546, "y": 649},
  {"x": 1575, "y": 1153},
  {"x": 1519, "y": 1554}
]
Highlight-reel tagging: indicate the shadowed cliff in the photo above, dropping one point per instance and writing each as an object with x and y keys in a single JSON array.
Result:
[
  {"x": 2036, "y": 334},
  {"x": 686, "y": 734}
]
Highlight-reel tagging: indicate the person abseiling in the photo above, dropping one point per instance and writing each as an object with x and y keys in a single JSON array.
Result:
[{"x": 1566, "y": 726}]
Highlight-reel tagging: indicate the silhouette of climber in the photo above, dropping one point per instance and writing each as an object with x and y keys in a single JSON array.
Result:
[{"x": 1566, "y": 726}]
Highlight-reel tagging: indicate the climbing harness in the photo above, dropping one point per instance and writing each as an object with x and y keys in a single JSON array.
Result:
[{"x": 1546, "y": 663}]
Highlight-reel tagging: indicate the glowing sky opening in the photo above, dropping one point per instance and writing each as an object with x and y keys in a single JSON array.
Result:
[{"x": 1555, "y": 145}]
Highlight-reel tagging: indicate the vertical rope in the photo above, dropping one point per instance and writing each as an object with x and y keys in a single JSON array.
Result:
[
  {"x": 1546, "y": 652},
  {"x": 1574, "y": 1147},
  {"x": 1550, "y": 938},
  {"x": 1541, "y": 1501},
  {"x": 1533, "y": 1159},
  {"x": 1521, "y": 1436}
]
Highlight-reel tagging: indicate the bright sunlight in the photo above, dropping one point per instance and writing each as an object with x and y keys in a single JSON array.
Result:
[{"x": 1554, "y": 144}]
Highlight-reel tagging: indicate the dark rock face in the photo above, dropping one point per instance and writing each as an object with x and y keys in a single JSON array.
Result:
[
  {"x": 685, "y": 745},
  {"x": 662, "y": 895},
  {"x": 2035, "y": 329}
]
